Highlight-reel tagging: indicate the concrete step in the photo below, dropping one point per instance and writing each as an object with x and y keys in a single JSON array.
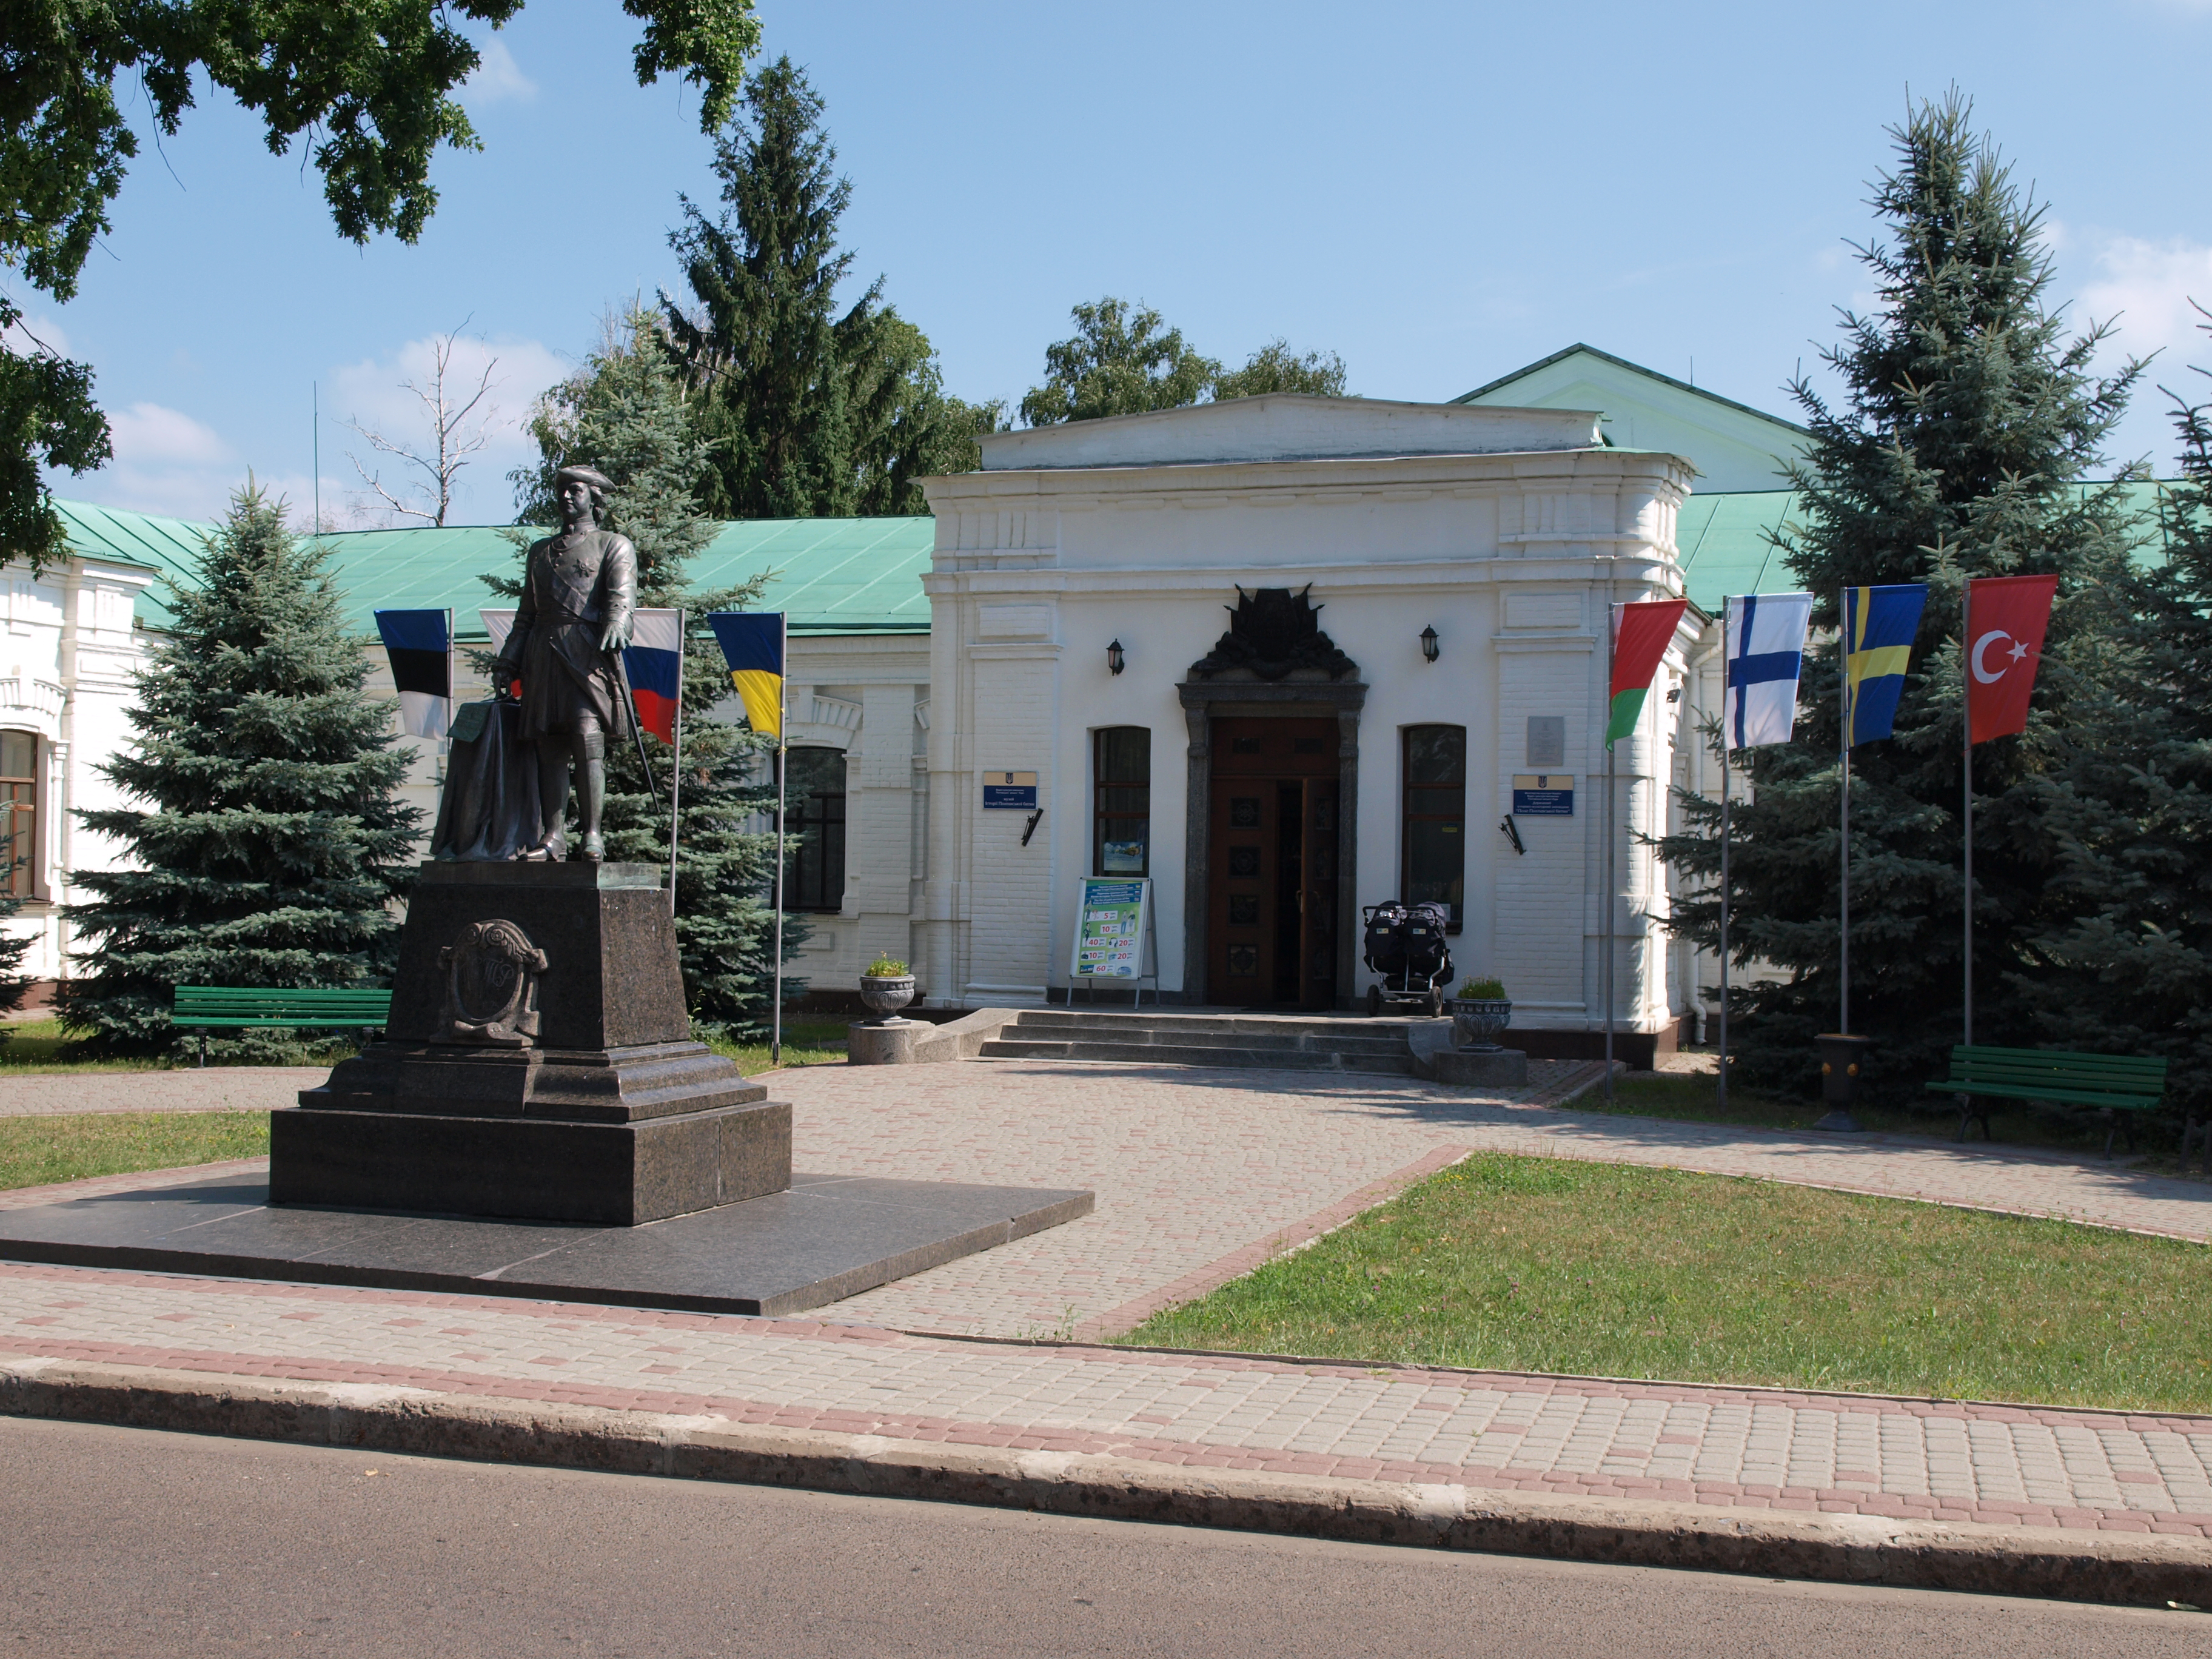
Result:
[
  {"x": 1257, "y": 1027},
  {"x": 1174, "y": 1053},
  {"x": 1125, "y": 1031}
]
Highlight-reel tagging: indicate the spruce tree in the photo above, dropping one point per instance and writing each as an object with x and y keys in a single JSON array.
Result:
[
  {"x": 2130, "y": 810},
  {"x": 272, "y": 843},
  {"x": 808, "y": 411},
  {"x": 1960, "y": 449},
  {"x": 626, "y": 413}
]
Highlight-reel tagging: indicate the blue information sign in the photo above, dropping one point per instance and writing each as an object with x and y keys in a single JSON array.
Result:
[
  {"x": 1017, "y": 791},
  {"x": 1543, "y": 795}
]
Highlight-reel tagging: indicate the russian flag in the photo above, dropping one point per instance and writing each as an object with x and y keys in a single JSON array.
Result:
[
  {"x": 420, "y": 644},
  {"x": 654, "y": 661}
]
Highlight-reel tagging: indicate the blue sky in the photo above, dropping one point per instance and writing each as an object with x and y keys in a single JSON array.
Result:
[{"x": 1439, "y": 192}]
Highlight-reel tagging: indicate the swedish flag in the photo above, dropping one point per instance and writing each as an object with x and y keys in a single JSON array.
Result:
[
  {"x": 1879, "y": 623},
  {"x": 752, "y": 645}
]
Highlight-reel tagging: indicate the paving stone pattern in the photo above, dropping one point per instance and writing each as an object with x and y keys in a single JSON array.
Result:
[
  {"x": 1726, "y": 1448},
  {"x": 1199, "y": 1171},
  {"x": 216, "y": 1088}
]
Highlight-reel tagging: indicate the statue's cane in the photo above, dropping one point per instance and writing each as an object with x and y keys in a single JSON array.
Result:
[{"x": 630, "y": 705}]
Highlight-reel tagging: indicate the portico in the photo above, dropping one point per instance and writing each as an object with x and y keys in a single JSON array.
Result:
[{"x": 1268, "y": 567}]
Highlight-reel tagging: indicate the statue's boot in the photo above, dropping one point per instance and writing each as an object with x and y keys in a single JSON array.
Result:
[{"x": 595, "y": 848}]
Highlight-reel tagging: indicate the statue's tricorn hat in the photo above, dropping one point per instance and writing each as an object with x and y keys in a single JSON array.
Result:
[{"x": 585, "y": 475}]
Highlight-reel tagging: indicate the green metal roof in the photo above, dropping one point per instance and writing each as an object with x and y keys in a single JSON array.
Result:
[
  {"x": 1623, "y": 362},
  {"x": 830, "y": 575},
  {"x": 171, "y": 546},
  {"x": 1722, "y": 541}
]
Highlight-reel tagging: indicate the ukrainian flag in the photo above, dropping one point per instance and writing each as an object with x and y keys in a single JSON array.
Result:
[
  {"x": 752, "y": 645},
  {"x": 1879, "y": 623}
]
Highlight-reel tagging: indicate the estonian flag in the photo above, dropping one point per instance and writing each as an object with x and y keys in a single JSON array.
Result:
[
  {"x": 1879, "y": 623},
  {"x": 654, "y": 662},
  {"x": 752, "y": 645},
  {"x": 420, "y": 644},
  {"x": 1765, "y": 655}
]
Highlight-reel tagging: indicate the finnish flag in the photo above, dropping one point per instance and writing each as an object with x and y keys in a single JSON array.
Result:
[{"x": 1765, "y": 653}]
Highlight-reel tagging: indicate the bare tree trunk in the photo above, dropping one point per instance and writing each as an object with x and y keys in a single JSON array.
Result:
[{"x": 461, "y": 425}]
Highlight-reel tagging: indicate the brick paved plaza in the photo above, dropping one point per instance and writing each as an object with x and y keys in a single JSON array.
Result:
[{"x": 1199, "y": 1175}]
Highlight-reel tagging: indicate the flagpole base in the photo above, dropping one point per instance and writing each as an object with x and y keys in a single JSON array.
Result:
[{"x": 1842, "y": 1060}]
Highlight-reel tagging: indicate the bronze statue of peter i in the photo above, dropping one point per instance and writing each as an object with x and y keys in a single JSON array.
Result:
[{"x": 579, "y": 595}]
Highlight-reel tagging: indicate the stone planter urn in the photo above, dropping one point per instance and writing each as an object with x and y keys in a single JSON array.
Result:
[
  {"x": 885, "y": 995},
  {"x": 1476, "y": 1023}
]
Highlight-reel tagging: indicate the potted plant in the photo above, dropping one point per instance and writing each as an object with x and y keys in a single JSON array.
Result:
[
  {"x": 1478, "y": 1013},
  {"x": 886, "y": 986}
]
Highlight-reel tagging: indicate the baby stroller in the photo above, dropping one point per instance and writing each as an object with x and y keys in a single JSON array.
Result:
[{"x": 1405, "y": 944}]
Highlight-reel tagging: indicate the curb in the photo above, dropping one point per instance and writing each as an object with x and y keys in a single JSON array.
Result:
[{"x": 2140, "y": 1570}]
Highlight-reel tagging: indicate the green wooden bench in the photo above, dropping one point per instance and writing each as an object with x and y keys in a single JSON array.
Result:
[
  {"x": 203, "y": 1008},
  {"x": 2116, "y": 1086}
]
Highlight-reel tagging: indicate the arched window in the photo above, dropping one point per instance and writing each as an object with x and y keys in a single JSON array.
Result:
[
  {"x": 1436, "y": 817},
  {"x": 814, "y": 813},
  {"x": 1121, "y": 801},
  {"x": 19, "y": 812}
]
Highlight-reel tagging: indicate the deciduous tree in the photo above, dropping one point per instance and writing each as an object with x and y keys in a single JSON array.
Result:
[{"x": 369, "y": 84}]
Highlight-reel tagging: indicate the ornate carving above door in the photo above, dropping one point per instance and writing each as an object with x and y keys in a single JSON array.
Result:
[{"x": 1273, "y": 633}]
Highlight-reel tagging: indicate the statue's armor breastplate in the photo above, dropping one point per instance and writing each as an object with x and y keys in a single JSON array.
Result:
[{"x": 568, "y": 577}]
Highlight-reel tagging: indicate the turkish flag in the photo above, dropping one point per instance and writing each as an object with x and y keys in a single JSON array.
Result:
[{"x": 2006, "y": 618}]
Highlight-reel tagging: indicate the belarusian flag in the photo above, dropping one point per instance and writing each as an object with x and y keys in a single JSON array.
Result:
[{"x": 1641, "y": 635}]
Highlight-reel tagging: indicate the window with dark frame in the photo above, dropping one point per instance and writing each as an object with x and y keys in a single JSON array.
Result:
[
  {"x": 814, "y": 814},
  {"x": 19, "y": 799},
  {"x": 1122, "y": 803},
  {"x": 1435, "y": 852}
]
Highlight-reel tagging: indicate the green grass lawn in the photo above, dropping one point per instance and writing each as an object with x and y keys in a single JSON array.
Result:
[
  {"x": 34, "y": 1151},
  {"x": 1547, "y": 1264},
  {"x": 805, "y": 1043}
]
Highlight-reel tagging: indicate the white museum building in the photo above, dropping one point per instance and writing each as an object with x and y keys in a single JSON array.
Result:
[{"x": 1282, "y": 658}]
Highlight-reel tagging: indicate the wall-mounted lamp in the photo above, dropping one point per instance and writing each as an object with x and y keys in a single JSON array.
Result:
[
  {"x": 1674, "y": 694},
  {"x": 1113, "y": 659},
  {"x": 1428, "y": 643}
]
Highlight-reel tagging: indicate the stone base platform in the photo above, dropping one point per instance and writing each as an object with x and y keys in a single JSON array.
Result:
[
  {"x": 828, "y": 1236},
  {"x": 616, "y": 1136},
  {"x": 1478, "y": 1068}
]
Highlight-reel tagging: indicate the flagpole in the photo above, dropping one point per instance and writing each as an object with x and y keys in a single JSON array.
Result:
[
  {"x": 1967, "y": 770},
  {"x": 1607, "y": 935},
  {"x": 782, "y": 720},
  {"x": 675, "y": 780},
  {"x": 1721, "y": 1094},
  {"x": 1844, "y": 1020},
  {"x": 453, "y": 689}
]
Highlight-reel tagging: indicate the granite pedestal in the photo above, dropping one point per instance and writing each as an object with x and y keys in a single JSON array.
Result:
[
  {"x": 886, "y": 1042},
  {"x": 1482, "y": 1069},
  {"x": 539, "y": 1065}
]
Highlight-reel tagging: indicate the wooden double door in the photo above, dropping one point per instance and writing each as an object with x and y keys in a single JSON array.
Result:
[{"x": 1271, "y": 864}]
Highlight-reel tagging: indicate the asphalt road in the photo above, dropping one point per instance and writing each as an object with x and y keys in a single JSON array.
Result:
[{"x": 124, "y": 1541}]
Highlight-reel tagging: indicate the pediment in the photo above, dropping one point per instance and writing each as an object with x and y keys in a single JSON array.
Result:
[{"x": 1290, "y": 427}]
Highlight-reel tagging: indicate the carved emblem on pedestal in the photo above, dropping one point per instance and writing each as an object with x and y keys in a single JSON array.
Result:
[{"x": 491, "y": 985}]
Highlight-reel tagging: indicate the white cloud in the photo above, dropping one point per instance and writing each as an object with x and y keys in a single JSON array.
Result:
[
  {"x": 148, "y": 435},
  {"x": 2148, "y": 287},
  {"x": 497, "y": 77},
  {"x": 36, "y": 333}
]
